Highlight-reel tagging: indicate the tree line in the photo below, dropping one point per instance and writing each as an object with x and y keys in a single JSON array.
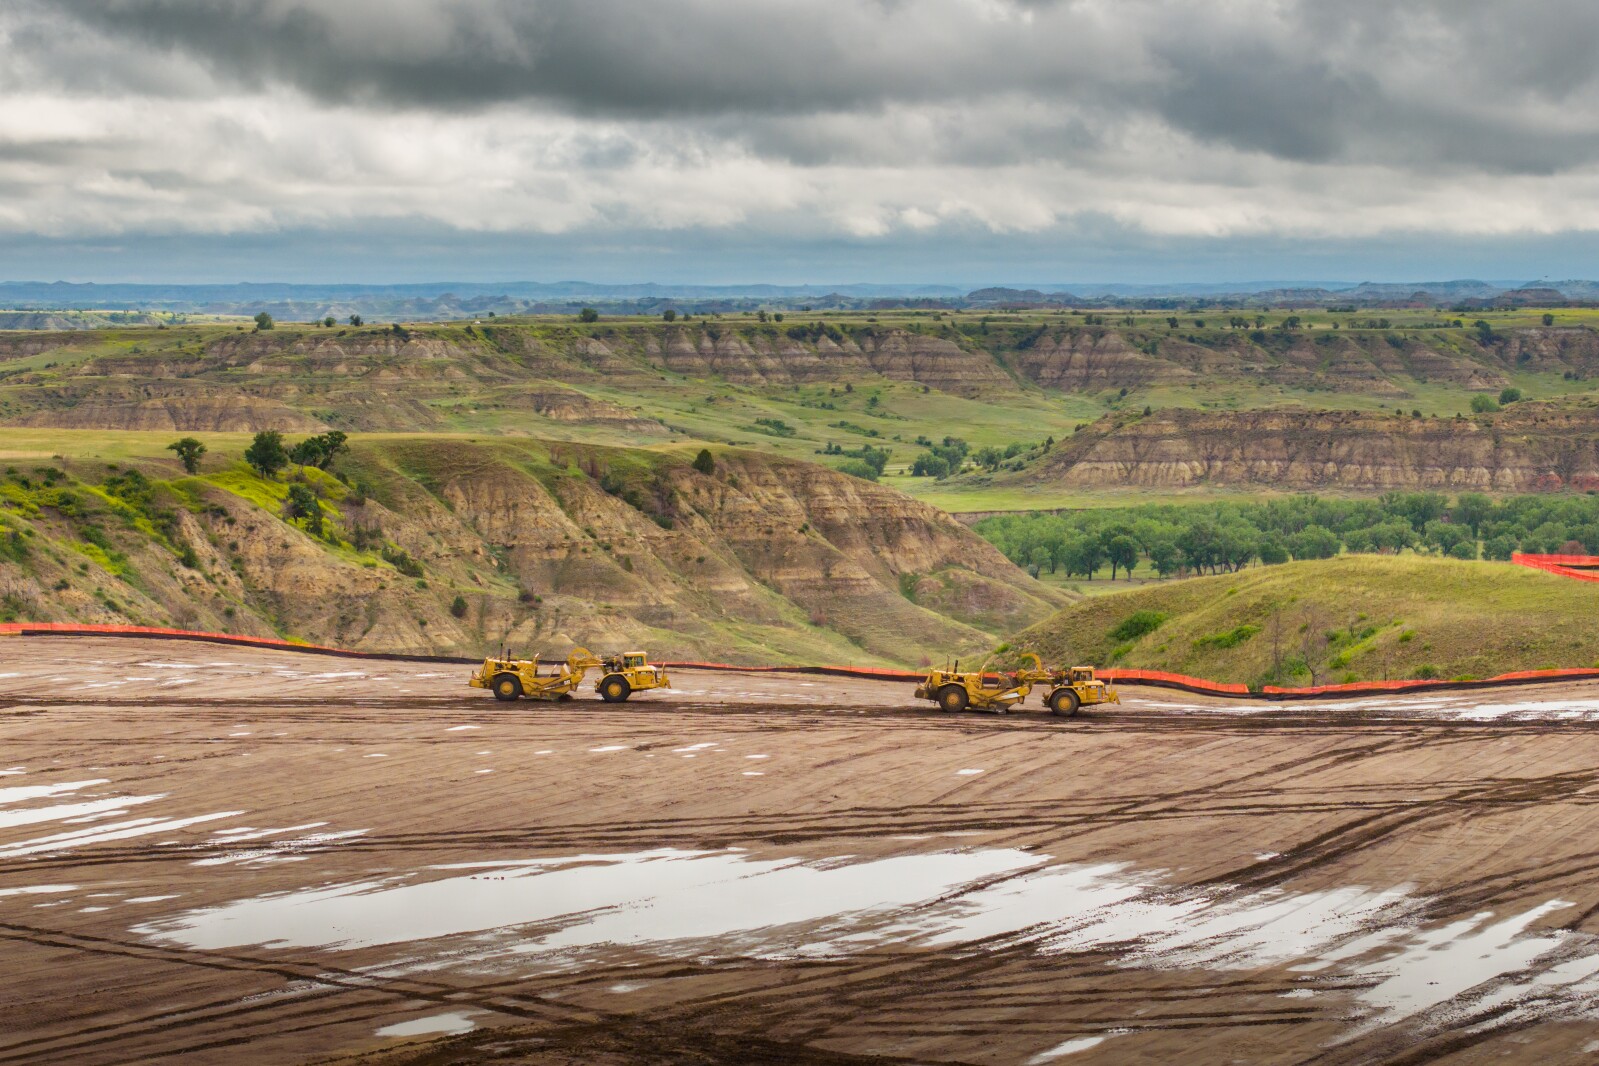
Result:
[{"x": 1222, "y": 537}]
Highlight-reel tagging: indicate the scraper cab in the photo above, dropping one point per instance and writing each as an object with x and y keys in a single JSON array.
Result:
[
  {"x": 628, "y": 673},
  {"x": 1077, "y": 687}
]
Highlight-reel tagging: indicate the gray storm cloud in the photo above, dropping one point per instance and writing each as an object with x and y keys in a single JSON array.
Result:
[
  {"x": 1464, "y": 82},
  {"x": 864, "y": 118}
]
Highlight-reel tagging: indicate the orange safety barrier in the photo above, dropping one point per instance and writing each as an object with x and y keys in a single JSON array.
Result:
[
  {"x": 1580, "y": 567},
  {"x": 1163, "y": 679},
  {"x": 1116, "y": 675},
  {"x": 871, "y": 673}
]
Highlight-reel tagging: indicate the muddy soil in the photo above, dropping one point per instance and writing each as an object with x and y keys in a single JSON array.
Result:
[{"x": 212, "y": 854}]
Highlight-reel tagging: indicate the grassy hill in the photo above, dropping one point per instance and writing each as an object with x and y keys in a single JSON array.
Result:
[
  {"x": 1352, "y": 618},
  {"x": 449, "y": 544}
]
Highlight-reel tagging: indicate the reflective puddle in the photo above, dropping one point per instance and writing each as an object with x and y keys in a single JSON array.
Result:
[
  {"x": 541, "y": 915},
  {"x": 438, "y": 1024}
]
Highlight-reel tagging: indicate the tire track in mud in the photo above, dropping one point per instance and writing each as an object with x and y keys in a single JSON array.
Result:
[
  {"x": 974, "y": 997},
  {"x": 355, "y": 710},
  {"x": 318, "y": 974},
  {"x": 1023, "y": 822},
  {"x": 1374, "y": 828},
  {"x": 856, "y": 1002}
]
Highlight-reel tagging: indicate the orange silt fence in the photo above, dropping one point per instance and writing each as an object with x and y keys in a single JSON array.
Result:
[{"x": 1116, "y": 675}]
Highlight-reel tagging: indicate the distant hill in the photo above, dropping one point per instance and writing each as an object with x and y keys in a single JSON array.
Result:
[
  {"x": 438, "y": 301},
  {"x": 1356, "y": 617},
  {"x": 1019, "y": 297}
]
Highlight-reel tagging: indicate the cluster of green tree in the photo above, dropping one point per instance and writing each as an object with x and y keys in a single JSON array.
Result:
[
  {"x": 1224, "y": 536},
  {"x": 267, "y": 453},
  {"x": 815, "y": 332},
  {"x": 863, "y": 462},
  {"x": 950, "y": 456},
  {"x": 940, "y": 460},
  {"x": 774, "y": 427},
  {"x": 1484, "y": 405}
]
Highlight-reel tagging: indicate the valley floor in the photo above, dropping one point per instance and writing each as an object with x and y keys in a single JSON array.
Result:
[{"x": 215, "y": 854}]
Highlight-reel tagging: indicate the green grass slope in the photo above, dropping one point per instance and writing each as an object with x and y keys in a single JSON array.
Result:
[
  {"x": 444, "y": 544},
  {"x": 1354, "y": 618}
]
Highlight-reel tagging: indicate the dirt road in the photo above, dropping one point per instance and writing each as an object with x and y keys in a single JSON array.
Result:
[{"x": 225, "y": 855}]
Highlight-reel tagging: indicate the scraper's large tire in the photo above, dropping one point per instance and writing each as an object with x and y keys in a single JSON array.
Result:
[
  {"x": 615, "y": 689},
  {"x": 1064, "y": 702},
  {"x": 507, "y": 687},
  {"x": 953, "y": 698}
]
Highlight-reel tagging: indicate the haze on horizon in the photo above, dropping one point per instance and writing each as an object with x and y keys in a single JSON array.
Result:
[{"x": 704, "y": 141}]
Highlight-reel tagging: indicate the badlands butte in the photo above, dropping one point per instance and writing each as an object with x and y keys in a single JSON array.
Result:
[{"x": 532, "y": 481}]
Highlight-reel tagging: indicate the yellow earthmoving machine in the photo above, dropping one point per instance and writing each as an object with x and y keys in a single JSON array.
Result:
[
  {"x": 511, "y": 679},
  {"x": 621, "y": 676},
  {"x": 1065, "y": 691},
  {"x": 628, "y": 673}
]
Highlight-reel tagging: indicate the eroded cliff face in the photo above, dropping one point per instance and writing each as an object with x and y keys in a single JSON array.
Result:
[
  {"x": 382, "y": 380},
  {"x": 160, "y": 407},
  {"x": 1527, "y": 448},
  {"x": 757, "y": 548},
  {"x": 760, "y": 561}
]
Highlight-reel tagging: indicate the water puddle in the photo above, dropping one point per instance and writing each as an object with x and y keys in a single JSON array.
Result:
[
  {"x": 292, "y": 849},
  {"x": 1488, "y": 712},
  {"x": 30, "y": 792},
  {"x": 37, "y": 890},
  {"x": 652, "y": 897},
  {"x": 549, "y": 914},
  {"x": 445, "y": 1024},
  {"x": 104, "y": 834},
  {"x": 1070, "y": 1047},
  {"x": 63, "y": 812}
]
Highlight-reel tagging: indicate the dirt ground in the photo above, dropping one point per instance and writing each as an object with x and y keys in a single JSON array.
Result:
[{"x": 212, "y": 854}]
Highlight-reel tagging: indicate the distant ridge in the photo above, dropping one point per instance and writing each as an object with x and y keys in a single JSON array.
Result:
[{"x": 457, "y": 300}]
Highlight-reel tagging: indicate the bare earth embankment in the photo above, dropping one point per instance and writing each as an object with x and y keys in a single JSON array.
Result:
[{"x": 213, "y": 854}]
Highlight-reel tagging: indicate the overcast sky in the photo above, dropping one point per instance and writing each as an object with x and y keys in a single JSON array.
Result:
[{"x": 957, "y": 141}]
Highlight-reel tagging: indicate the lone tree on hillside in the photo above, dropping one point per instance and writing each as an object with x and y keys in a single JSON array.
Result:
[
  {"x": 588, "y": 314},
  {"x": 357, "y": 320},
  {"x": 189, "y": 451},
  {"x": 705, "y": 462},
  {"x": 266, "y": 454},
  {"x": 669, "y": 315},
  {"x": 330, "y": 322},
  {"x": 264, "y": 321},
  {"x": 302, "y": 503}
]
